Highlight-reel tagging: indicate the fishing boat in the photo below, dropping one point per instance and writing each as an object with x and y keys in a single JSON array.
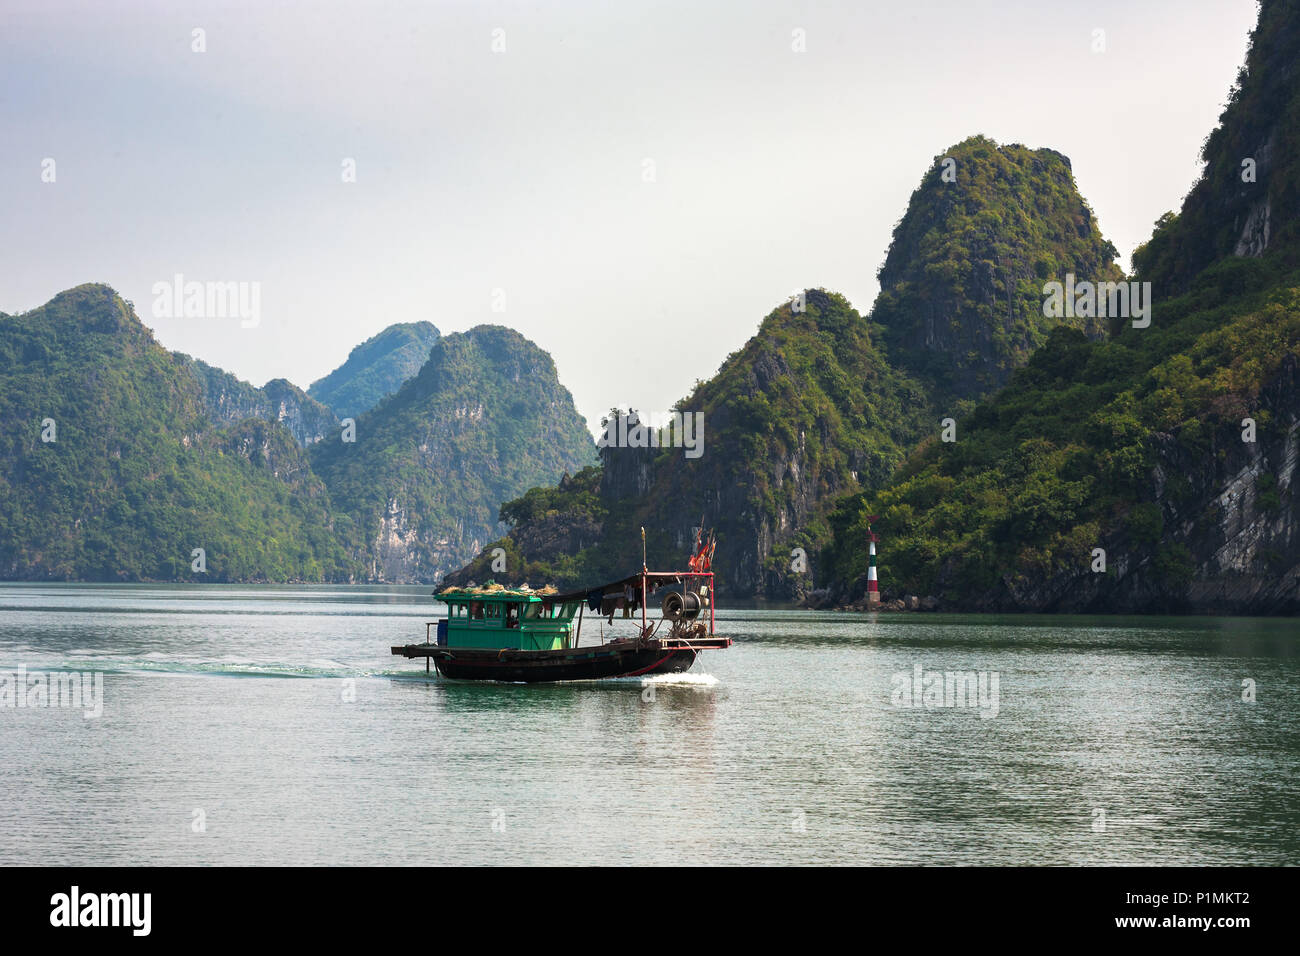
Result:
[{"x": 530, "y": 636}]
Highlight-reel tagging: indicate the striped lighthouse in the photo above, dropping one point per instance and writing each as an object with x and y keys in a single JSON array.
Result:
[{"x": 873, "y": 586}]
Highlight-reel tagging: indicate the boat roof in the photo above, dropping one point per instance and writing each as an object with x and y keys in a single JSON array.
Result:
[
  {"x": 493, "y": 591},
  {"x": 496, "y": 592}
]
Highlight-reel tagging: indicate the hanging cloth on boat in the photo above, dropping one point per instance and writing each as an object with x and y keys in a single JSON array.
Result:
[{"x": 593, "y": 599}]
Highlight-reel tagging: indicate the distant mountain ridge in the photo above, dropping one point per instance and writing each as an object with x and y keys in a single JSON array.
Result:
[
  {"x": 112, "y": 467},
  {"x": 376, "y": 368},
  {"x": 122, "y": 461},
  {"x": 484, "y": 420}
]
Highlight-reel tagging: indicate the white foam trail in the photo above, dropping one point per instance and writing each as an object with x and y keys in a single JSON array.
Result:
[{"x": 698, "y": 680}]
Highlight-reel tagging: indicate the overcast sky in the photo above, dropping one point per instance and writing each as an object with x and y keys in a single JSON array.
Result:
[{"x": 642, "y": 182}]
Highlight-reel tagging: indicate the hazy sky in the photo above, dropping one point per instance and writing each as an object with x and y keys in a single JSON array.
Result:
[{"x": 643, "y": 182}]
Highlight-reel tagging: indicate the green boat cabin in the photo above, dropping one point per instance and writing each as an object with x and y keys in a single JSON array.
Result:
[{"x": 519, "y": 620}]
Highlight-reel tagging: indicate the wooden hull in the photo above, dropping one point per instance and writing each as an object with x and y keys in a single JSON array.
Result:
[{"x": 617, "y": 659}]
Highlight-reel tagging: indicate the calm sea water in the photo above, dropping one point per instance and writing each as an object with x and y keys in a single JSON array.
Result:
[{"x": 272, "y": 726}]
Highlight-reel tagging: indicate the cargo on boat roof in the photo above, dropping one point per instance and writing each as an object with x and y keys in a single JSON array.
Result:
[{"x": 654, "y": 581}]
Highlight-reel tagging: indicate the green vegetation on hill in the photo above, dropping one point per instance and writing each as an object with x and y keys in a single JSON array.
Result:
[
  {"x": 376, "y": 368},
  {"x": 138, "y": 476},
  {"x": 806, "y": 410},
  {"x": 825, "y": 403},
  {"x": 1062, "y": 460},
  {"x": 1135, "y": 445},
  {"x": 483, "y": 420},
  {"x": 1248, "y": 196},
  {"x": 555, "y": 528},
  {"x": 961, "y": 299},
  {"x": 156, "y": 454}
]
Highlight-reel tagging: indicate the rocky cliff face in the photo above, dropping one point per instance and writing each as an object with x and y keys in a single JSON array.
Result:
[
  {"x": 807, "y": 411},
  {"x": 762, "y": 509},
  {"x": 1236, "y": 510},
  {"x": 229, "y": 400},
  {"x": 1247, "y": 200},
  {"x": 1229, "y": 540},
  {"x": 1247, "y": 556}
]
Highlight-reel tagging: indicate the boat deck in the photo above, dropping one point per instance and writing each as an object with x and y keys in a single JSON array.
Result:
[
  {"x": 633, "y": 657},
  {"x": 666, "y": 644}
]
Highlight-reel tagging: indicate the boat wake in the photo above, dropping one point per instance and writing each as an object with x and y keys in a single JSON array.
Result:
[
  {"x": 156, "y": 663},
  {"x": 685, "y": 680},
  {"x": 695, "y": 681}
]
